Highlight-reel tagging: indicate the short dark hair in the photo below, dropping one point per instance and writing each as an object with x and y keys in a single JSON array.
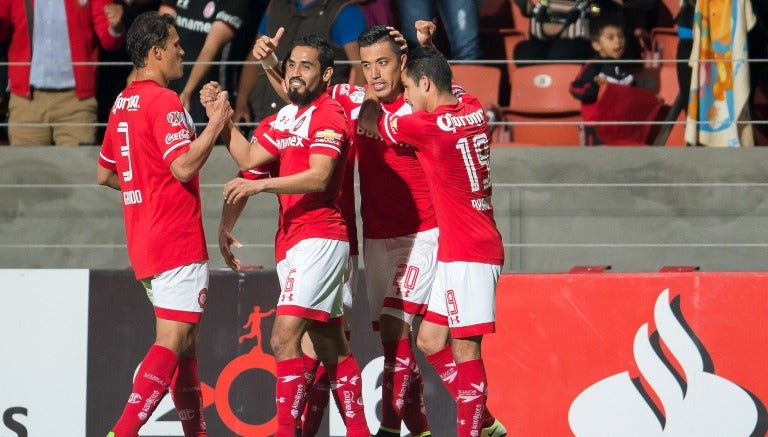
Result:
[
  {"x": 148, "y": 30},
  {"x": 602, "y": 20},
  {"x": 426, "y": 61},
  {"x": 376, "y": 34},
  {"x": 324, "y": 50}
]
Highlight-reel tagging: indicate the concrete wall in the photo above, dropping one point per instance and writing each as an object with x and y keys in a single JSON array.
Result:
[{"x": 636, "y": 209}]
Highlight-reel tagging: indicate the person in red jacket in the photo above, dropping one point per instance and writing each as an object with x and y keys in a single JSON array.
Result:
[{"x": 52, "y": 71}]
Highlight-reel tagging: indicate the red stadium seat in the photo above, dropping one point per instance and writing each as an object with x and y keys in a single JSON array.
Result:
[
  {"x": 481, "y": 81},
  {"x": 539, "y": 105}
]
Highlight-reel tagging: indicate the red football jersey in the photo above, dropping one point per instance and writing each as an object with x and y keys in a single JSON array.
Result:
[
  {"x": 394, "y": 195},
  {"x": 269, "y": 170},
  {"x": 293, "y": 136},
  {"x": 148, "y": 128},
  {"x": 453, "y": 146}
]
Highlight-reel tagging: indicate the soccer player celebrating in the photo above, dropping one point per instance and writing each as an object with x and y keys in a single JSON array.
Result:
[
  {"x": 310, "y": 139},
  {"x": 450, "y": 137},
  {"x": 151, "y": 154}
]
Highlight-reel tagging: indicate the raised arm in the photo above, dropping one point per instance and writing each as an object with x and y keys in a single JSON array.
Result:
[
  {"x": 219, "y": 35},
  {"x": 219, "y": 112},
  {"x": 247, "y": 155},
  {"x": 264, "y": 52},
  {"x": 370, "y": 109}
]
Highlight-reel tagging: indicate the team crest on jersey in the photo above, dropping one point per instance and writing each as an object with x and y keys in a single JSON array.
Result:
[
  {"x": 393, "y": 124},
  {"x": 298, "y": 124},
  {"x": 175, "y": 118},
  {"x": 209, "y": 9},
  {"x": 357, "y": 96}
]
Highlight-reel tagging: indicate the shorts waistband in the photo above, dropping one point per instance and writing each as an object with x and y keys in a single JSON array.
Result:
[{"x": 52, "y": 90}]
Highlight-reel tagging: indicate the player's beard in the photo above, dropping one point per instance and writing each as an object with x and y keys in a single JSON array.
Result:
[{"x": 308, "y": 96}]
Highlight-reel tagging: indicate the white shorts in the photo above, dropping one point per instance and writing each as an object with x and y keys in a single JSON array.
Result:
[
  {"x": 179, "y": 294},
  {"x": 312, "y": 279},
  {"x": 349, "y": 288},
  {"x": 399, "y": 273},
  {"x": 464, "y": 298}
]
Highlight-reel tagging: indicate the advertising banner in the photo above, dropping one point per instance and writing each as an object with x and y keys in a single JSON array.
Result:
[
  {"x": 673, "y": 354},
  {"x": 586, "y": 355},
  {"x": 237, "y": 369},
  {"x": 44, "y": 326}
]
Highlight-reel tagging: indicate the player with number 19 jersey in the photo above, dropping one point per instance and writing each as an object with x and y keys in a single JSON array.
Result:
[
  {"x": 451, "y": 137},
  {"x": 148, "y": 129}
]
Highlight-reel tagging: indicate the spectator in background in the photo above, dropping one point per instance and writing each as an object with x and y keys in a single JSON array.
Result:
[
  {"x": 684, "y": 22},
  {"x": 558, "y": 31},
  {"x": 205, "y": 26},
  {"x": 152, "y": 155},
  {"x": 112, "y": 75},
  {"x": 338, "y": 21},
  {"x": 51, "y": 36},
  {"x": 607, "y": 37},
  {"x": 377, "y": 12},
  {"x": 460, "y": 19}
]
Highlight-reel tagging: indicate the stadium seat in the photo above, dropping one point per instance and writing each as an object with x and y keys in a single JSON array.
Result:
[
  {"x": 541, "y": 109},
  {"x": 481, "y": 81},
  {"x": 520, "y": 21},
  {"x": 511, "y": 39}
]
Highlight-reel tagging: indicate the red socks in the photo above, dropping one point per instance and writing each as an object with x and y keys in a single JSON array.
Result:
[
  {"x": 443, "y": 363},
  {"x": 346, "y": 384},
  {"x": 290, "y": 393},
  {"x": 415, "y": 413},
  {"x": 472, "y": 392},
  {"x": 152, "y": 380},
  {"x": 187, "y": 397},
  {"x": 401, "y": 389},
  {"x": 317, "y": 401}
]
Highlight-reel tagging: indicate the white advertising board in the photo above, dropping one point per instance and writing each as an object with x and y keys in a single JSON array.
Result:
[{"x": 43, "y": 365}]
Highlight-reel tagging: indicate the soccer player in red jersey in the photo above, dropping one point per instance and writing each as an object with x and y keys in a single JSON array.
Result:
[
  {"x": 450, "y": 136},
  {"x": 399, "y": 227},
  {"x": 309, "y": 138},
  {"x": 151, "y": 154},
  {"x": 318, "y": 391}
]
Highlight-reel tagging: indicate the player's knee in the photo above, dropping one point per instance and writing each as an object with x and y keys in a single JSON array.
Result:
[{"x": 429, "y": 345}]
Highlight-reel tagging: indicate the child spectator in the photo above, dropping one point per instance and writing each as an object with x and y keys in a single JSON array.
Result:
[{"x": 606, "y": 34}]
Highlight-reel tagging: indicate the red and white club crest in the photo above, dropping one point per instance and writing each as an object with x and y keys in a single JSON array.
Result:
[
  {"x": 209, "y": 9},
  {"x": 202, "y": 297}
]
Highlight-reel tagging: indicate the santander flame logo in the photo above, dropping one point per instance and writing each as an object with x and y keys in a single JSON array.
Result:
[{"x": 692, "y": 399}]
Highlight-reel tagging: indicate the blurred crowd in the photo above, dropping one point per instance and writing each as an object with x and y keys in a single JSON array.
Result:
[{"x": 78, "y": 63}]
